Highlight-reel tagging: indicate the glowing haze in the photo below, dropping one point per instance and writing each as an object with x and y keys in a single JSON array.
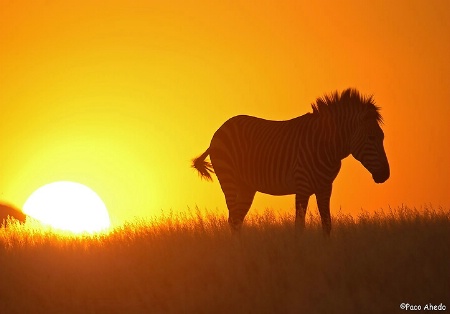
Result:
[{"x": 121, "y": 95}]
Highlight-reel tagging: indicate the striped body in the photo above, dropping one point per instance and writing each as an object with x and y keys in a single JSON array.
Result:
[
  {"x": 301, "y": 156},
  {"x": 269, "y": 156}
]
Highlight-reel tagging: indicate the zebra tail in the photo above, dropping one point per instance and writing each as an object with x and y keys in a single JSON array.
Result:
[{"x": 203, "y": 167}]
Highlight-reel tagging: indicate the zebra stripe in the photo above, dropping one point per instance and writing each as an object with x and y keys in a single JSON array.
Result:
[{"x": 301, "y": 156}]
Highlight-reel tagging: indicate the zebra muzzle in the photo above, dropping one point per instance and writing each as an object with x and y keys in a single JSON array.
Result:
[{"x": 381, "y": 176}]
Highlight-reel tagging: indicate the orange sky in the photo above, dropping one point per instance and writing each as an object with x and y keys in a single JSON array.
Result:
[{"x": 121, "y": 95}]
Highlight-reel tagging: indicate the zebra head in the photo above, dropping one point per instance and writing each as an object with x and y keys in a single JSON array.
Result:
[{"x": 367, "y": 145}]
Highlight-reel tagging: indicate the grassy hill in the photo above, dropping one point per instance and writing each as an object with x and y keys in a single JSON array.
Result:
[{"x": 192, "y": 264}]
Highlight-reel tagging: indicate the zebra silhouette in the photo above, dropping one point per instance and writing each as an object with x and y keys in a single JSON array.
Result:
[
  {"x": 301, "y": 156},
  {"x": 10, "y": 211}
]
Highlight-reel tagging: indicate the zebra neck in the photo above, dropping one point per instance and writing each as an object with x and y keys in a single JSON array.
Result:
[
  {"x": 332, "y": 135},
  {"x": 341, "y": 135},
  {"x": 345, "y": 133}
]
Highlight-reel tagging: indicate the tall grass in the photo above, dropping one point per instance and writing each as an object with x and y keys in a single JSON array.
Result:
[{"x": 190, "y": 263}]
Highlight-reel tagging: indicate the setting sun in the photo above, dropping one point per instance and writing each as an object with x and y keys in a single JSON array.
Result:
[{"x": 69, "y": 206}]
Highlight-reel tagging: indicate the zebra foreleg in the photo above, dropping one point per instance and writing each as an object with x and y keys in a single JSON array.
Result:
[
  {"x": 301, "y": 205},
  {"x": 240, "y": 209},
  {"x": 323, "y": 202}
]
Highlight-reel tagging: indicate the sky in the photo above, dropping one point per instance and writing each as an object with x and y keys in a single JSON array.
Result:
[{"x": 121, "y": 95}]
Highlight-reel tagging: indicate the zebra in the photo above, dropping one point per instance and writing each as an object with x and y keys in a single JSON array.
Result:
[
  {"x": 7, "y": 210},
  {"x": 301, "y": 156}
]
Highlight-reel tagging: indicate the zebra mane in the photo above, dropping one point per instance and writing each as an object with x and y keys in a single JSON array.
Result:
[{"x": 349, "y": 99}]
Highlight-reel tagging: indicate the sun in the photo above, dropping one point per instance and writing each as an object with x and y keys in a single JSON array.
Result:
[{"x": 68, "y": 206}]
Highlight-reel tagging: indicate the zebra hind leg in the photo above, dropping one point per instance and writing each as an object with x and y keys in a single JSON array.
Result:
[
  {"x": 240, "y": 209},
  {"x": 230, "y": 198}
]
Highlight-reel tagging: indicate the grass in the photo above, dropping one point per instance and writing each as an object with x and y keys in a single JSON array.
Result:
[{"x": 190, "y": 263}]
